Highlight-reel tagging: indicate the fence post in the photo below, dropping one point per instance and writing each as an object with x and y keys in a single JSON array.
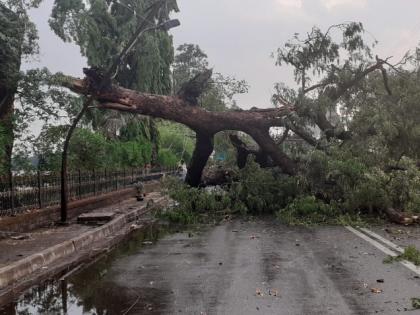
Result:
[
  {"x": 79, "y": 184},
  {"x": 94, "y": 182},
  {"x": 39, "y": 189},
  {"x": 117, "y": 173},
  {"x": 12, "y": 193},
  {"x": 105, "y": 181}
]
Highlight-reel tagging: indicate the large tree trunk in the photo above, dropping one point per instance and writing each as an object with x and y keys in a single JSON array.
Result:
[
  {"x": 203, "y": 149},
  {"x": 181, "y": 109}
]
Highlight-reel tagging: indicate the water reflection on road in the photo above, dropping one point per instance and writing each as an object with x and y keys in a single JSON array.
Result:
[
  {"x": 92, "y": 290},
  {"x": 253, "y": 266}
]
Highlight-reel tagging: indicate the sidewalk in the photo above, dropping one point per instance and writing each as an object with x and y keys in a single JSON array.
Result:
[
  {"x": 49, "y": 251},
  {"x": 12, "y": 250}
]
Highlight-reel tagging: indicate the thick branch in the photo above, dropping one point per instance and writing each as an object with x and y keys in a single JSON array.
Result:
[
  {"x": 283, "y": 137},
  {"x": 177, "y": 109},
  {"x": 301, "y": 132},
  {"x": 191, "y": 90},
  {"x": 243, "y": 151},
  {"x": 345, "y": 86},
  {"x": 329, "y": 129},
  {"x": 334, "y": 95},
  {"x": 269, "y": 146}
]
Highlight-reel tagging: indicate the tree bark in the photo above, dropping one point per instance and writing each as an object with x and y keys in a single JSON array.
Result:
[
  {"x": 203, "y": 148},
  {"x": 206, "y": 124},
  {"x": 269, "y": 146},
  {"x": 178, "y": 109},
  {"x": 242, "y": 153},
  {"x": 401, "y": 217}
]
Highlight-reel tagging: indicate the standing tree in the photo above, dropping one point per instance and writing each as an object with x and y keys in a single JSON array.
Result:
[
  {"x": 17, "y": 39},
  {"x": 146, "y": 66}
]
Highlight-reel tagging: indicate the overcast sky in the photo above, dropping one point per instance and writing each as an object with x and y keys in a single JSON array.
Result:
[{"x": 240, "y": 35}]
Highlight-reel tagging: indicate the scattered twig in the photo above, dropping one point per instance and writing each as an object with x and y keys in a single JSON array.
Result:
[{"x": 132, "y": 306}]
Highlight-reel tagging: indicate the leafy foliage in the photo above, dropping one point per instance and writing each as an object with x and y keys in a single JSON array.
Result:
[
  {"x": 177, "y": 139},
  {"x": 91, "y": 150},
  {"x": 114, "y": 22},
  {"x": 260, "y": 190},
  {"x": 307, "y": 210},
  {"x": 195, "y": 205},
  {"x": 191, "y": 60},
  {"x": 257, "y": 191},
  {"x": 147, "y": 65}
]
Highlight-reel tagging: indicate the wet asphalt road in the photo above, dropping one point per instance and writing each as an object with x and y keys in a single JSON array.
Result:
[
  {"x": 243, "y": 267},
  {"x": 261, "y": 267}
]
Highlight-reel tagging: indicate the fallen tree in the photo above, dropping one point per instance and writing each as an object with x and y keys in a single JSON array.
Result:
[
  {"x": 318, "y": 53},
  {"x": 347, "y": 85},
  {"x": 182, "y": 108}
]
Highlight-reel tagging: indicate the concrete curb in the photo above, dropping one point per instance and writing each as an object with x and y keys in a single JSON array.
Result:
[{"x": 26, "y": 266}]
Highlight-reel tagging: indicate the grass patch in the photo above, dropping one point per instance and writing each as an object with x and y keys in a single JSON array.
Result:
[
  {"x": 415, "y": 302},
  {"x": 411, "y": 254}
]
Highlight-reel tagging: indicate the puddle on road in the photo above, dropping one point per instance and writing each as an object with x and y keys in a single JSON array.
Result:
[{"x": 91, "y": 291}]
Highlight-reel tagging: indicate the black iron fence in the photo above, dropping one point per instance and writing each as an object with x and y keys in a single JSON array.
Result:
[{"x": 42, "y": 189}]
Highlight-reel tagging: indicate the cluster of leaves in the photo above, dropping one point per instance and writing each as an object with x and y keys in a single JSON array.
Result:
[
  {"x": 176, "y": 141},
  {"x": 359, "y": 186},
  {"x": 114, "y": 22},
  {"x": 92, "y": 150},
  {"x": 17, "y": 33},
  {"x": 11, "y": 37},
  {"x": 330, "y": 189},
  {"x": 195, "y": 205},
  {"x": 308, "y": 210},
  {"x": 257, "y": 191},
  {"x": 191, "y": 60},
  {"x": 319, "y": 53}
]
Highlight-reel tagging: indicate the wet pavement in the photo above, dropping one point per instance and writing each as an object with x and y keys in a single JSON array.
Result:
[
  {"x": 42, "y": 238},
  {"x": 238, "y": 267},
  {"x": 400, "y": 235}
]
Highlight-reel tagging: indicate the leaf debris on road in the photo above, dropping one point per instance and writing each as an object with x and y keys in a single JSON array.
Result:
[{"x": 376, "y": 290}]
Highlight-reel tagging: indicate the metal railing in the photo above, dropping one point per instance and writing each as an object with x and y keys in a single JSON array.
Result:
[{"x": 42, "y": 189}]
